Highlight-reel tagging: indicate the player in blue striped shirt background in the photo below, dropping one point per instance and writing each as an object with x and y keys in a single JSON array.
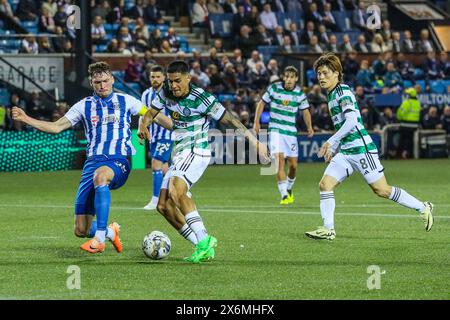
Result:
[
  {"x": 161, "y": 141},
  {"x": 106, "y": 118}
]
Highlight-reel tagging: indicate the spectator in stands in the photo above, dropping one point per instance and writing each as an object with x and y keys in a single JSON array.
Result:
[
  {"x": 140, "y": 24},
  {"x": 125, "y": 36},
  {"x": 308, "y": 33},
  {"x": 287, "y": 45},
  {"x": 408, "y": 45},
  {"x": 360, "y": 17},
  {"x": 431, "y": 67},
  {"x": 253, "y": 19},
  {"x": 98, "y": 33},
  {"x": 5, "y": 7},
  {"x": 237, "y": 57},
  {"x": 155, "y": 40},
  {"x": 313, "y": 15},
  {"x": 46, "y": 22},
  {"x": 395, "y": 44},
  {"x": 67, "y": 46},
  {"x": 424, "y": 44},
  {"x": 364, "y": 76},
  {"x": 230, "y": 77},
  {"x": 60, "y": 17},
  {"x": 350, "y": 68},
  {"x": 263, "y": 37},
  {"x": 332, "y": 45},
  {"x": 124, "y": 48},
  {"x": 445, "y": 119},
  {"x": 213, "y": 58},
  {"x": 165, "y": 47},
  {"x": 324, "y": 37},
  {"x": 45, "y": 45},
  {"x": 223, "y": 62},
  {"x": 314, "y": 46},
  {"x": 199, "y": 77},
  {"x": 378, "y": 44},
  {"x": 240, "y": 19},
  {"x": 214, "y": 7},
  {"x": 102, "y": 9},
  {"x": 323, "y": 120},
  {"x": 140, "y": 44},
  {"x": 230, "y": 7},
  {"x": 173, "y": 39},
  {"x": 133, "y": 70},
  {"x": 51, "y": 6},
  {"x": 137, "y": 11},
  {"x": 361, "y": 46},
  {"x": 392, "y": 79},
  {"x": 58, "y": 39},
  {"x": 328, "y": 18},
  {"x": 259, "y": 78},
  {"x": 217, "y": 84},
  {"x": 152, "y": 14},
  {"x": 346, "y": 45},
  {"x": 431, "y": 120},
  {"x": 144, "y": 78},
  {"x": 294, "y": 34},
  {"x": 379, "y": 66},
  {"x": 268, "y": 18},
  {"x": 148, "y": 58},
  {"x": 444, "y": 65},
  {"x": 27, "y": 10},
  {"x": 37, "y": 107},
  {"x": 246, "y": 42},
  {"x": 405, "y": 68},
  {"x": 113, "y": 46},
  {"x": 408, "y": 114},
  {"x": 316, "y": 97},
  {"x": 15, "y": 101},
  {"x": 218, "y": 45},
  {"x": 386, "y": 32},
  {"x": 279, "y": 36},
  {"x": 243, "y": 80},
  {"x": 387, "y": 117},
  {"x": 293, "y": 6},
  {"x": 254, "y": 59},
  {"x": 29, "y": 45},
  {"x": 272, "y": 68}
]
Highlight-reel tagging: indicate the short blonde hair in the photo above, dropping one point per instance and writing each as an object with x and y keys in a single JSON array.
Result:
[{"x": 330, "y": 60}]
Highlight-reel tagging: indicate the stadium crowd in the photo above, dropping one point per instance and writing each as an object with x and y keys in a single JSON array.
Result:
[{"x": 234, "y": 69}]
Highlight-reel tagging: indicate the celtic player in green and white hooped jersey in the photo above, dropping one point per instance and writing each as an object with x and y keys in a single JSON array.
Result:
[
  {"x": 351, "y": 149},
  {"x": 190, "y": 108},
  {"x": 285, "y": 99}
]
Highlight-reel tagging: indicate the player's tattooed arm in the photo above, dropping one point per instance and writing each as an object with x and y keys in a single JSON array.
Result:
[
  {"x": 46, "y": 126},
  {"x": 231, "y": 121},
  {"x": 148, "y": 118},
  {"x": 164, "y": 121}
]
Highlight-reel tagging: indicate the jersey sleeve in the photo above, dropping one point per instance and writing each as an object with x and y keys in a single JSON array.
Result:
[
  {"x": 303, "y": 102},
  {"x": 76, "y": 112},
  {"x": 159, "y": 102},
  {"x": 215, "y": 109},
  {"x": 134, "y": 105},
  {"x": 347, "y": 102},
  {"x": 145, "y": 98},
  {"x": 267, "y": 94}
]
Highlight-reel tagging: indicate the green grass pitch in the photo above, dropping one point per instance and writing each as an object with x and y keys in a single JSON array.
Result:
[{"x": 262, "y": 251}]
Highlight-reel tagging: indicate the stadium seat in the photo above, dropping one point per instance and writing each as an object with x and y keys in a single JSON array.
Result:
[
  {"x": 226, "y": 97},
  {"x": 438, "y": 86},
  {"x": 342, "y": 21},
  {"x": 119, "y": 74},
  {"x": 388, "y": 100},
  {"x": 311, "y": 77},
  {"x": 407, "y": 84},
  {"x": 267, "y": 52},
  {"x": 422, "y": 84},
  {"x": 135, "y": 86},
  {"x": 4, "y": 97},
  {"x": 101, "y": 48},
  {"x": 418, "y": 73},
  {"x": 221, "y": 25},
  {"x": 286, "y": 18}
]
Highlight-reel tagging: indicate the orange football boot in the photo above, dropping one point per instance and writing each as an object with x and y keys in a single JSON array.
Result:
[
  {"x": 93, "y": 246},
  {"x": 116, "y": 242}
]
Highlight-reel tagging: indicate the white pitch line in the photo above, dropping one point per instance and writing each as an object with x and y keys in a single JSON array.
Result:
[{"x": 223, "y": 210}]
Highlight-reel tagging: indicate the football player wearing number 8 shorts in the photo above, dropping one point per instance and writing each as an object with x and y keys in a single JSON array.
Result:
[{"x": 351, "y": 149}]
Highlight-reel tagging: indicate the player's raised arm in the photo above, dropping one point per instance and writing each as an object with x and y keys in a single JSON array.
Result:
[
  {"x": 148, "y": 118},
  {"x": 46, "y": 126},
  {"x": 231, "y": 121}
]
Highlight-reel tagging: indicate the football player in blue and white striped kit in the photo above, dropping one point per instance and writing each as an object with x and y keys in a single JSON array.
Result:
[
  {"x": 161, "y": 142},
  {"x": 106, "y": 118}
]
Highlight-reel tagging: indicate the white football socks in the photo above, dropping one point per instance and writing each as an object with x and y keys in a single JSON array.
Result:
[
  {"x": 188, "y": 234},
  {"x": 290, "y": 183},
  {"x": 327, "y": 205},
  {"x": 405, "y": 199},
  {"x": 282, "y": 187},
  {"x": 195, "y": 222}
]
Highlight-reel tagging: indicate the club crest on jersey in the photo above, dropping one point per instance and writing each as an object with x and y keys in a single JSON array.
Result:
[
  {"x": 116, "y": 106},
  {"x": 94, "y": 120},
  {"x": 285, "y": 103},
  {"x": 187, "y": 112}
]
